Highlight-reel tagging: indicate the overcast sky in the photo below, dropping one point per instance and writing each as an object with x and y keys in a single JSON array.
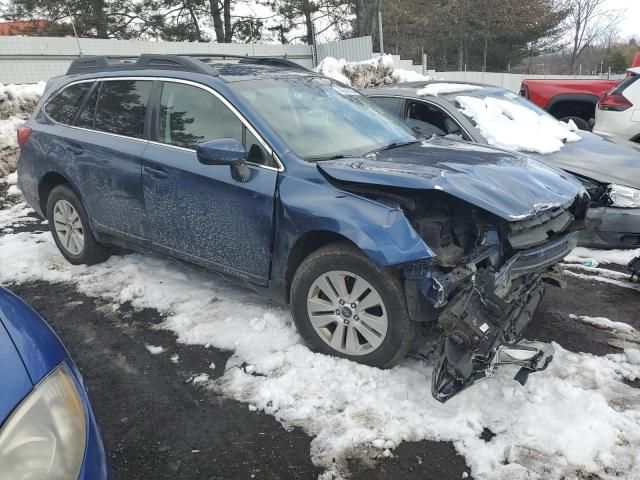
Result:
[{"x": 630, "y": 26}]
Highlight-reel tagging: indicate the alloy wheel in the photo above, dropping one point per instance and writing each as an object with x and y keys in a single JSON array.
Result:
[
  {"x": 347, "y": 312},
  {"x": 68, "y": 227}
]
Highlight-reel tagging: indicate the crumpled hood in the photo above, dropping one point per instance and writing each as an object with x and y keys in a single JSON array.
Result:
[
  {"x": 599, "y": 159},
  {"x": 509, "y": 185}
]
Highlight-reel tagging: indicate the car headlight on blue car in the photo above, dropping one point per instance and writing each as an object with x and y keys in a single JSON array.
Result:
[
  {"x": 45, "y": 437},
  {"x": 624, "y": 197}
]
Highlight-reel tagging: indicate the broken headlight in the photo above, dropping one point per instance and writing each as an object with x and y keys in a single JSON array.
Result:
[{"x": 624, "y": 197}]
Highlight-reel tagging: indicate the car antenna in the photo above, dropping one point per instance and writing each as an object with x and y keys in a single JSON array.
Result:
[{"x": 75, "y": 32}]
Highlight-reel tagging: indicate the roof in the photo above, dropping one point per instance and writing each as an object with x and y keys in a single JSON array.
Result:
[
  {"x": 410, "y": 89},
  {"x": 227, "y": 67}
]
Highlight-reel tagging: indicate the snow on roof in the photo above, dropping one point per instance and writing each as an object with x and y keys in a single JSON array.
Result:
[
  {"x": 515, "y": 127},
  {"x": 444, "y": 88},
  {"x": 635, "y": 70},
  {"x": 367, "y": 73}
]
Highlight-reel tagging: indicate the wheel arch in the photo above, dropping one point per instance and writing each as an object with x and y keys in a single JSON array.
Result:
[
  {"x": 305, "y": 245},
  {"x": 47, "y": 183},
  {"x": 572, "y": 102}
]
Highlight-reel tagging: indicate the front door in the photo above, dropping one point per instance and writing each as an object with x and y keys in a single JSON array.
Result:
[{"x": 201, "y": 212}]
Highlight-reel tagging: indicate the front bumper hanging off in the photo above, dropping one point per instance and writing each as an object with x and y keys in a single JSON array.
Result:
[{"x": 485, "y": 314}]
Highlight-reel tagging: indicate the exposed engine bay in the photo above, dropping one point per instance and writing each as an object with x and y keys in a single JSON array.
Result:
[{"x": 487, "y": 278}]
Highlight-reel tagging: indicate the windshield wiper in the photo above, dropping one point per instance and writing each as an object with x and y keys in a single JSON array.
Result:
[
  {"x": 330, "y": 157},
  {"x": 392, "y": 146}
]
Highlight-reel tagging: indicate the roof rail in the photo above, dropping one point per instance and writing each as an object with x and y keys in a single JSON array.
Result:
[
  {"x": 197, "y": 63},
  {"x": 104, "y": 63}
]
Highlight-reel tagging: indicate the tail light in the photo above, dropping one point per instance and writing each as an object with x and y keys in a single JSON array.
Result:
[
  {"x": 613, "y": 102},
  {"x": 23, "y": 135}
]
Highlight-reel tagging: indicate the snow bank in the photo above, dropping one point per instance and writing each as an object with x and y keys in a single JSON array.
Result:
[
  {"x": 16, "y": 103},
  {"x": 618, "y": 257},
  {"x": 368, "y": 73},
  {"x": 509, "y": 125},
  {"x": 19, "y": 99},
  {"x": 577, "y": 419},
  {"x": 444, "y": 88}
]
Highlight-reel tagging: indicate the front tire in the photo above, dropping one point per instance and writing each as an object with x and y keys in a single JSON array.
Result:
[
  {"x": 344, "y": 305},
  {"x": 71, "y": 230}
]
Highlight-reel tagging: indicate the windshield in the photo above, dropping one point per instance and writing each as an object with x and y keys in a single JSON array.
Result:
[{"x": 320, "y": 119}]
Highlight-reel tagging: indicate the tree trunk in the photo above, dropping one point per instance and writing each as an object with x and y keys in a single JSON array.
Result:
[
  {"x": 214, "y": 8},
  {"x": 306, "y": 10},
  {"x": 228, "y": 31},
  {"x": 360, "y": 18},
  {"x": 196, "y": 25},
  {"x": 100, "y": 19},
  {"x": 484, "y": 54}
]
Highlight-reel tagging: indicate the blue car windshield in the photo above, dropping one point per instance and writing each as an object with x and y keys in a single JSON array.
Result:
[{"x": 320, "y": 119}]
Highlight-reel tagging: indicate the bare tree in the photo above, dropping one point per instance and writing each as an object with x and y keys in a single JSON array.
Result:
[{"x": 590, "y": 22}]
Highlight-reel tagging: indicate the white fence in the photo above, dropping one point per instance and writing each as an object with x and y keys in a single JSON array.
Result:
[
  {"x": 30, "y": 59},
  {"x": 510, "y": 81}
]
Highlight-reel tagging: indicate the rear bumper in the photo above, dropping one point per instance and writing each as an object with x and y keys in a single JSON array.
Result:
[{"x": 609, "y": 227}]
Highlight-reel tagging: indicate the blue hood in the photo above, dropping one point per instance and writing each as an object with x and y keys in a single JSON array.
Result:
[
  {"x": 509, "y": 185},
  {"x": 16, "y": 383},
  {"x": 29, "y": 350}
]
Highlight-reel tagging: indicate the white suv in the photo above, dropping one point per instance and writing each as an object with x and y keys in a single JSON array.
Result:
[{"x": 618, "y": 112}]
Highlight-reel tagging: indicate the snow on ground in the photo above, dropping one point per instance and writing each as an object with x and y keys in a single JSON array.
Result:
[
  {"x": 576, "y": 419},
  {"x": 509, "y": 125},
  {"x": 444, "y": 88},
  {"x": 368, "y": 73},
  {"x": 16, "y": 103},
  {"x": 618, "y": 257},
  {"x": 602, "y": 322},
  {"x": 17, "y": 99}
]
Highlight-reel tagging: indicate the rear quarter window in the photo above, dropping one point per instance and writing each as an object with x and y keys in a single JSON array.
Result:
[
  {"x": 64, "y": 105},
  {"x": 122, "y": 106}
]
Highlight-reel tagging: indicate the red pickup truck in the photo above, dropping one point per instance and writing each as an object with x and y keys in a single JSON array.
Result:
[{"x": 570, "y": 99}]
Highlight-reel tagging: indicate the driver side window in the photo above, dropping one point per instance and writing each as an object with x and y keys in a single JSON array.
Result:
[
  {"x": 432, "y": 120},
  {"x": 190, "y": 115}
]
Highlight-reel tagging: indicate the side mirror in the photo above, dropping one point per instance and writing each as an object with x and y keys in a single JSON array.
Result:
[{"x": 222, "y": 151}]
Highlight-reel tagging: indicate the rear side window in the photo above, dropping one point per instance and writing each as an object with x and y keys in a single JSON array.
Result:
[
  {"x": 63, "y": 106},
  {"x": 190, "y": 115},
  {"x": 121, "y": 107},
  {"x": 88, "y": 112}
]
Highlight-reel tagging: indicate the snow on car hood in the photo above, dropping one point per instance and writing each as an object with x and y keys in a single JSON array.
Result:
[
  {"x": 509, "y": 125},
  {"x": 509, "y": 185},
  {"x": 599, "y": 159}
]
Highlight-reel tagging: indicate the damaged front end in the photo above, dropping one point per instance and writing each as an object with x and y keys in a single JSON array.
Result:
[{"x": 484, "y": 284}]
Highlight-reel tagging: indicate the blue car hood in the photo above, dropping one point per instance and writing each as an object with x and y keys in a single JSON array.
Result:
[
  {"x": 36, "y": 350},
  {"x": 16, "y": 383},
  {"x": 509, "y": 185},
  {"x": 599, "y": 159}
]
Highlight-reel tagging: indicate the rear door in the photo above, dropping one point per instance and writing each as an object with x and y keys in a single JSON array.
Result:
[
  {"x": 107, "y": 144},
  {"x": 201, "y": 212}
]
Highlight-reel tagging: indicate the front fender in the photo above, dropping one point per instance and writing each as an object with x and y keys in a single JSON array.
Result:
[{"x": 381, "y": 231}]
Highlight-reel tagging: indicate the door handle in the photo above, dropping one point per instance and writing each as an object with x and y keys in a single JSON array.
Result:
[
  {"x": 156, "y": 172},
  {"x": 75, "y": 149}
]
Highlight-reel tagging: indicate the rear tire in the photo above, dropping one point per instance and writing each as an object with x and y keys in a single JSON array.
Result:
[
  {"x": 372, "y": 326},
  {"x": 580, "y": 122},
  {"x": 71, "y": 228}
]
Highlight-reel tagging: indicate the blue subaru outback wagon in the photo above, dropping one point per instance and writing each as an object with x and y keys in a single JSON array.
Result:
[{"x": 304, "y": 189}]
